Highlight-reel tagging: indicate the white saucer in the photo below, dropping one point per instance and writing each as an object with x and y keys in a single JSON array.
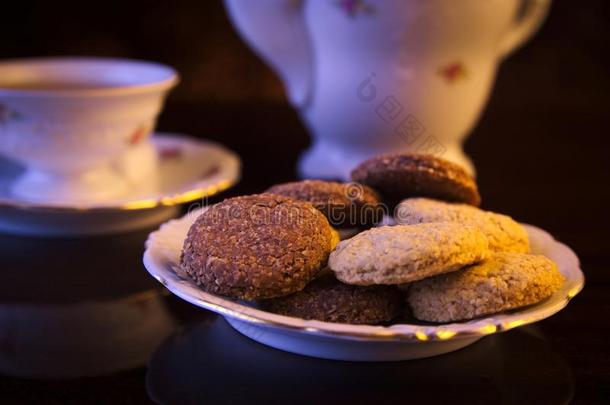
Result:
[
  {"x": 354, "y": 342},
  {"x": 189, "y": 170}
]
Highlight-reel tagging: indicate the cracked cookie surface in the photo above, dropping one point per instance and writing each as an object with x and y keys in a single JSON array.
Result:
[
  {"x": 406, "y": 175},
  {"x": 257, "y": 246},
  {"x": 404, "y": 253},
  {"x": 327, "y": 299},
  {"x": 503, "y": 233},
  {"x": 343, "y": 204},
  {"x": 504, "y": 281}
]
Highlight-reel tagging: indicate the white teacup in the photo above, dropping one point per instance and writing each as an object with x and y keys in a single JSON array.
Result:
[
  {"x": 371, "y": 77},
  {"x": 67, "y": 119}
]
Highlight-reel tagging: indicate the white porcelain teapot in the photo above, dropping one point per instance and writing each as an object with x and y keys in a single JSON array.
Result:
[{"x": 371, "y": 77}]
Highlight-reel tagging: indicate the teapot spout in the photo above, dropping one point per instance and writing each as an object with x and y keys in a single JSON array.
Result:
[{"x": 276, "y": 31}]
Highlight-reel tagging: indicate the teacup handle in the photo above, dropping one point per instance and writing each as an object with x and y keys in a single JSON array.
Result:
[{"x": 533, "y": 15}]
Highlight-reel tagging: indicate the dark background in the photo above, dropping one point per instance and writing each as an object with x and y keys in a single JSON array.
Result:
[
  {"x": 542, "y": 148},
  {"x": 545, "y": 123}
]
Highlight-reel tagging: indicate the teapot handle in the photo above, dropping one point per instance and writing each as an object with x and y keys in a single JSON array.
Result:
[
  {"x": 276, "y": 31},
  {"x": 533, "y": 15}
]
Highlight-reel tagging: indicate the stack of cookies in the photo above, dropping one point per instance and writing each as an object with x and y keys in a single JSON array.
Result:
[{"x": 411, "y": 233}]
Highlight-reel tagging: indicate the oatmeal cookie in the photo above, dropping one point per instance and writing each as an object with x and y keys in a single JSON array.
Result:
[
  {"x": 257, "y": 246},
  {"x": 327, "y": 299},
  {"x": 503, "y": 233},
  {"x": 402, "y": 176},
  {"x": 404, "y": 253},
  {"x": 504, "y": 281},
  {"x": 345, "y": 205}
]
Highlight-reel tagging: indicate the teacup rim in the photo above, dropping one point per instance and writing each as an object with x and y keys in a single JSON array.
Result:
[{"x": 173, "y": 78}]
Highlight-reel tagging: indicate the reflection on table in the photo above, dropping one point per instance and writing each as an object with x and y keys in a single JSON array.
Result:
[
  {"x": 82, "y": 339},
  {"x": 212, "y": 362},
  {"x": 66, "y": 315}
]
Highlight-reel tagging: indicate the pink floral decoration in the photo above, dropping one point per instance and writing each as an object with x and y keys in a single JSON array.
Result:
[
  {"x": 172, "y": 152},
  {"x": 210, "y": 172},
  {"x": 6, "y": 114},
  {"x": 138, "y": 135},
  {"x": 453, "y": 72},
  {"x": 355, "y": 7}
]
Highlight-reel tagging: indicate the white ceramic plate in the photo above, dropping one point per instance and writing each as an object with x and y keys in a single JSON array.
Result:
[
  {"x": 188, "y": 170},
  {"x": 354, "y": 342}
]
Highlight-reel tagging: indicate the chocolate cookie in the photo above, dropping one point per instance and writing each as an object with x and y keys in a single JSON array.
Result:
[
  {"x": 327, "y": 299},
  {"x": 503, "y": 233},
  {"x": 404, "y": 253},
  {"x": 504, "y": 281},
  {"x": 257, "y": 246},
  {"x": 398, "y": 177},
  {"x": 344, "y": 204}
]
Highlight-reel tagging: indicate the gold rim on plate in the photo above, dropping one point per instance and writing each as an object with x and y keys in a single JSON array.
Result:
[{"x": 162, "y": 255}]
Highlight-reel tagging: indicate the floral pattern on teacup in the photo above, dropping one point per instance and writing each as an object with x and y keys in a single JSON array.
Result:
[
  {"x": 172, "y": 152},
  {"x": 211, "y": 171},
  {"x": 355, "y": 7},
  {"x": 6, "y": 114},
  {"x": 453, "y": 72},
  {"x": 138, "y": 135}
]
